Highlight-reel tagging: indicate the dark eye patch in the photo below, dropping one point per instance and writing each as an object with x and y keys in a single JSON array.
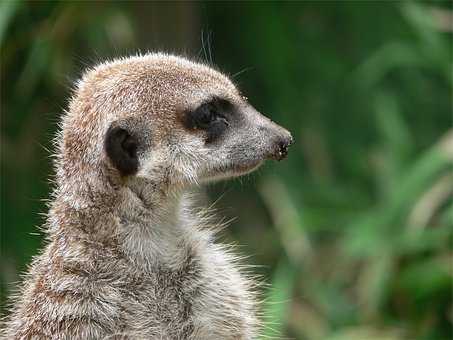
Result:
[
  {"x": 203, "y": 116},
  {"x": 211, "y": 116}
]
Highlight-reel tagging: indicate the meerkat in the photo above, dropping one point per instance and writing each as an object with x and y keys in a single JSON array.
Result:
[{"x": 126, "y": 257}]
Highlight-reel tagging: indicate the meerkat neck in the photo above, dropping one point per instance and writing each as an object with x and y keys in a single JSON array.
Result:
[
  {"x": 151, "y": 230},
  {"x": 140, "y": 218}
]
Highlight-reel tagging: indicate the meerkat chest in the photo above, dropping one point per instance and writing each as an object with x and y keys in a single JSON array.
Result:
[
  {"x": 206, "y": 298},
  {"x": 158, "y": 305}
]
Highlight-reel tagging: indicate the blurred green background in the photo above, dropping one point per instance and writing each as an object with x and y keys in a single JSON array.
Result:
[{"x": 354, "y": 229}]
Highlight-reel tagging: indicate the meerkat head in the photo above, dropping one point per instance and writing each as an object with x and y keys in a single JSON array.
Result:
[{"x": 166, "y": 119}]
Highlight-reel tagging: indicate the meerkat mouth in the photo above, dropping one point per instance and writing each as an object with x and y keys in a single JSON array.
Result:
[
  {"x": 242, "y": 169},
  {"x": 233, "y": 170}
]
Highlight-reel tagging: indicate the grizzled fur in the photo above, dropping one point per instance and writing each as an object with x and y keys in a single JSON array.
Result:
[{"x": 127, "y": 257}]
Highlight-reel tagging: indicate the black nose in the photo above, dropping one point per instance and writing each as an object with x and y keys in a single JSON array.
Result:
[{"x": 282, "y": 147}]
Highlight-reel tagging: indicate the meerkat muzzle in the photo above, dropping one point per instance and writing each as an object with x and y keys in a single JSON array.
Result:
[{"x": 275, "y": 139}]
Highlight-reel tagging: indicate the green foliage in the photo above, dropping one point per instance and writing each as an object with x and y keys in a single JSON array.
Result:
[{"x": 356, "y": 225}]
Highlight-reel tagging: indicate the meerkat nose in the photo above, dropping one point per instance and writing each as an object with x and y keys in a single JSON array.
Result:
[{"x": 282, "y": 146}]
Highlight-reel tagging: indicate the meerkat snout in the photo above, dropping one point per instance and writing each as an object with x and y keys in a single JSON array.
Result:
[{"x": 281, "y": 139}]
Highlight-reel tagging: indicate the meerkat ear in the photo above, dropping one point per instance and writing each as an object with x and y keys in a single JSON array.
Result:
[{"x": 121, "y": 148}]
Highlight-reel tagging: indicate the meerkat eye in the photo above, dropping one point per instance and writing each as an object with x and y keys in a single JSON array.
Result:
[
  {"x": 212, "y": 117},
  {"x": 204, "y": 115}
]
